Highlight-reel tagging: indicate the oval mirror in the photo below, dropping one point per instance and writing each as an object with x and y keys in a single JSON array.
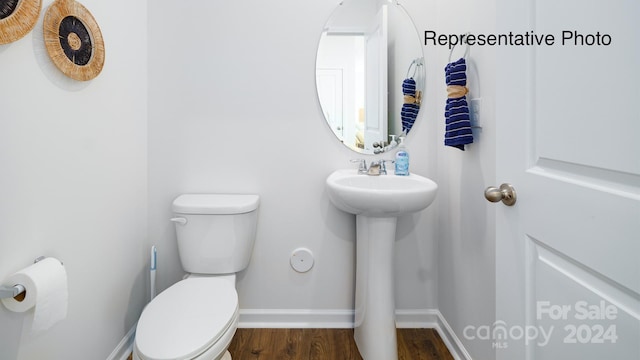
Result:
[{"x": 370, "y": 74}]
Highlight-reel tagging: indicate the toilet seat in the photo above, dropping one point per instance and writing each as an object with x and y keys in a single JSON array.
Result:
[{"x": 187, "y": 319}]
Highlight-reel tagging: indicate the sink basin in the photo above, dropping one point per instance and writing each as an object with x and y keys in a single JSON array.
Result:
[
  {"x": 379, "y": 196},
  {"x": 377, "y": 201}
]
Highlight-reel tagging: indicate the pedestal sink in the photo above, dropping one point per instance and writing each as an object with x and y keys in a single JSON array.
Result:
[{"x": 377, "y": 201}]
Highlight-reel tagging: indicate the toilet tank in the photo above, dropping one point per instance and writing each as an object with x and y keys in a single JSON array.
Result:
[{"x": 215, "y": 232}]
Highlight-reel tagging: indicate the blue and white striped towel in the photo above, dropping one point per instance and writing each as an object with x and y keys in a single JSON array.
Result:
[
  {"x": 409, "y": 110},
  {"x": 458, "y": 124}
]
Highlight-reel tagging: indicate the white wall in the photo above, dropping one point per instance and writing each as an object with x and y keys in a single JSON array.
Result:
[
  {"x": 233, "y": 108},
  {"x": 466, "y": 251},
  {"x": 73, "y": 184}
]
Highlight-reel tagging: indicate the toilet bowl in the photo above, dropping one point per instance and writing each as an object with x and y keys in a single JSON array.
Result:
[{"x": 196, "y": 318}]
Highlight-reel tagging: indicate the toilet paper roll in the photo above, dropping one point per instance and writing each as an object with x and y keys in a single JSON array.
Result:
[{"x": 45, "y": 284}]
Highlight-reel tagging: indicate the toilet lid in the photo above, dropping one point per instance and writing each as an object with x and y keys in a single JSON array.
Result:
[{"x": 186, "y": 319}]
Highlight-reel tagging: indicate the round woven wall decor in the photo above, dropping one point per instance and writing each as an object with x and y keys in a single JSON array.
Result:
[
  {"x": 17, "y": 18},
  {"x": 73, "y": 40}
]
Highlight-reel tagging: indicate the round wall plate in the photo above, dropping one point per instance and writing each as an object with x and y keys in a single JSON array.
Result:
[
  {"x": 302, "y": 260},
  {"x": 73, "y": 40},
  {"x": 17, "y": 18}
]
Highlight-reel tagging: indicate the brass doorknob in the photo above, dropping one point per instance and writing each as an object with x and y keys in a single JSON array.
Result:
[{"x": 506, "y": 193}]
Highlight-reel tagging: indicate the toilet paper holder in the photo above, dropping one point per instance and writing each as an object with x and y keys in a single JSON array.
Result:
[
  {"x": 11, "y": 291},
  {"x": 17, "y": 290}
]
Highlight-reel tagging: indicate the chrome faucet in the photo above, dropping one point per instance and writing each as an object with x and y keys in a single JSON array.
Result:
[
  {"x": 376, "y": 168},
  {"x": 383, "y": 166},
  {"x": 362, "y": 165}
]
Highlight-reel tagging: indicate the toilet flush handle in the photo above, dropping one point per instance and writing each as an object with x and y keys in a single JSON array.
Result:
[{"x": 179, "y": 220}]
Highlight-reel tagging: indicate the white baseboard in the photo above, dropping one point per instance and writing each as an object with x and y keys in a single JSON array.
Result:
[
  {"x": 298, "y": 318},
  {"x": 417, "y": 319},
  {"x": 450, "y": 339},
  {"x": 343, "y": 319},
  {"x": 124, "y": 348},
  {"x": 327, "y": 319},
  {"x": 433, "y": 319}
]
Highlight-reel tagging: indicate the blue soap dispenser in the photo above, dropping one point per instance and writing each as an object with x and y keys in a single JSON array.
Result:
[{"x": 402, "y": 160}]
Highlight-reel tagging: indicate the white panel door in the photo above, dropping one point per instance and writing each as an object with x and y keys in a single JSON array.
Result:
[
  {"x": 375, "y": 65},
  {"x": 568, "y": 252}
]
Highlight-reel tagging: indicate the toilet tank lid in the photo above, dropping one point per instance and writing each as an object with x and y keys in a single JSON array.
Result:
[{"x": 215, "y": 204}]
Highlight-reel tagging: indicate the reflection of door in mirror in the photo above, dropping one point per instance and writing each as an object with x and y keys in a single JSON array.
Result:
[
  {"x": 329, "y": 84},
  {"x": 361, "y": 60},
  {"x": 375, "y": 64},
  {"x": 349, "y": 67}
]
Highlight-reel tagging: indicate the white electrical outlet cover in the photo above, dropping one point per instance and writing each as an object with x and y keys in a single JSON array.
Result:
[{"x": 302, "y": 260}]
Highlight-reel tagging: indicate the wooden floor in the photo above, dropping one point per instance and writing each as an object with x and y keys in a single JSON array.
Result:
[{"x": 328, "y": 344}]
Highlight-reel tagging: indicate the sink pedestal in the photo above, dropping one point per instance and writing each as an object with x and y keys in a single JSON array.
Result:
[
  {"x": 375, "y": 322},
  {"x": 377, "y": 201}
]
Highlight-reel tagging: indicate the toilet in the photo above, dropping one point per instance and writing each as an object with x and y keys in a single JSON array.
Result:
[{"x": 196, "y": 318}]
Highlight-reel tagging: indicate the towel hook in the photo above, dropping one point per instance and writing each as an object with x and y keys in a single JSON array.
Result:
[
  {"x": 414, "y": 65},
  {"x": 466, "y": 50}
]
